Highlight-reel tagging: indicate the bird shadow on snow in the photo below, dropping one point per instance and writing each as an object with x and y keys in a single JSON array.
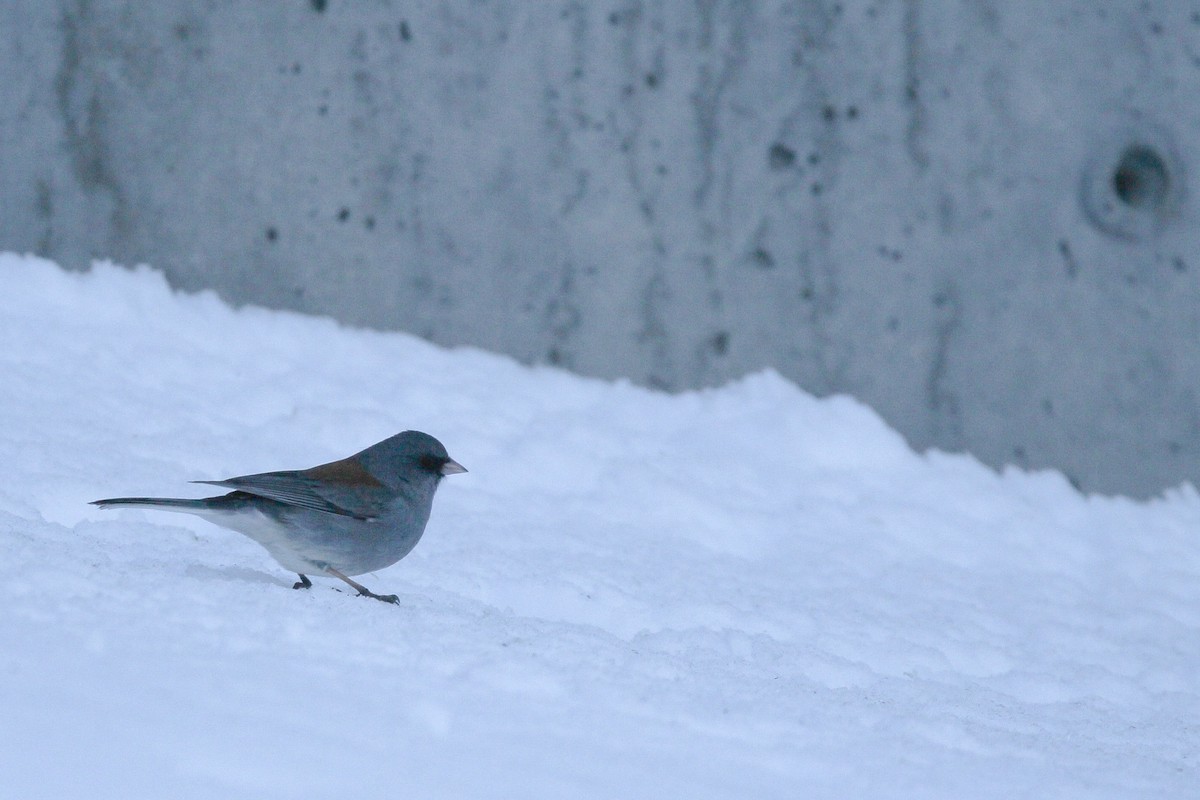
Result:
[
  {"x": 240, "y": 574},
  {"x": 247, "y": 575}
]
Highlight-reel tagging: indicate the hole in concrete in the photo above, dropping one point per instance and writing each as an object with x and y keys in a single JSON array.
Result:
[
  {"x": 1140, "y": 179},
  {"x": 1133, "y": 184}
]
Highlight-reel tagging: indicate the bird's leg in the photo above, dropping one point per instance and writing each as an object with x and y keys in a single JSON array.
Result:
[
  {"x": 303, "y": 583},
  {"x": 362, "y": 590}
]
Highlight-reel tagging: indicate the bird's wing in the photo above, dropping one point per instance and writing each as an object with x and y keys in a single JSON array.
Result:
[{"x": 329, "y": 488}]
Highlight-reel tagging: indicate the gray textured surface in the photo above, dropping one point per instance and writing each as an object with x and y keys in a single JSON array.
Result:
[{"x": 974, "y": 216}]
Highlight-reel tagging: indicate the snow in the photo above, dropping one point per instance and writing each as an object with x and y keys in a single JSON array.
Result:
[{"x": 742, "y": 592}]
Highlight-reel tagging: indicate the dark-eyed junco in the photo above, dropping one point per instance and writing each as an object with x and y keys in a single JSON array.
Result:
[{"x": 348, "y": 517}]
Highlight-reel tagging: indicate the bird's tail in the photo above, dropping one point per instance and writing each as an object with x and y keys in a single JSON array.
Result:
[{"x": 165, "y": 503}]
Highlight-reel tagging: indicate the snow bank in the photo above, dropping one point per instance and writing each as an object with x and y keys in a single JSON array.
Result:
[{"x": 743, "y": 592}]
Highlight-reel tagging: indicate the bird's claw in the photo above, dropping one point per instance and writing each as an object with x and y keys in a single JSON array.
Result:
[{"x": 387, "y": 598}]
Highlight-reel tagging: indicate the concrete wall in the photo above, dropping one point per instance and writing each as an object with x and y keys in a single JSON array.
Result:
[{"x": 977, "y": 216}]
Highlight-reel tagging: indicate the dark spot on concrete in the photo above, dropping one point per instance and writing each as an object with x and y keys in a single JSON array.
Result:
[
  {"x": 806, "y": 293},
  {"x": 1174, "y": 448},
  {"x": 852, "y": 112},
  {"x": 940, "y": 299},
  {"x": 272, "y": 234},
  {"x": 614, "y": 18},
  {"x": 814, "y": 159},
  {"x": 1156, "y": 28},
  {"x": 911, "y": 91},
  {"x": 661, "y": 169},
  {"x": 627, "y": 90},
  {"x": 554, "y": 356},
  {"x": 651, "y": 80},
  {"x": 44, "y": 201},
  {"x": 369, "y": 223},
  {"x": 893, "y": 323},
  {"x": 780, "y": 156},
  {"x": 322, "y": 110},
  {"x": 720, "y": 342},
  {"x": 817, "y": 188},
  {"x": 318, "y": 5},
  {"x": 1064, "y": 249},
  {"x": 1048, "y": 407},
  {"x": 763, "y": 258},
  {"x": 829, "y": 113},
  {"x": 1178, "y": 264},
  {"x": 1019, "y": 454},
  {"x": 182, "y": 31},
  {"x": 343, "y": 214},
  {"x": 405, "y": 31}
]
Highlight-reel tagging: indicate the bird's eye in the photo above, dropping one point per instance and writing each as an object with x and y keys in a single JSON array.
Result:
[{"x": 432, "y": 463}]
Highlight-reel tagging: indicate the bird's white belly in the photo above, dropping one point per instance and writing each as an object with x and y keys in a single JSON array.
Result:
[{"x": 267, "y": 532}]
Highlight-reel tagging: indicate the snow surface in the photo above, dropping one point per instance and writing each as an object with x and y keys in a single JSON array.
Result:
[{"x": 744, "y": 592}]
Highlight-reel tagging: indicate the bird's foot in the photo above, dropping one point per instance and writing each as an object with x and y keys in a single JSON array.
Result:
[
  {"x": 387, "y": 598},
  {"x": 362, "y": 590},
  {"x": 303, "y": 583}
]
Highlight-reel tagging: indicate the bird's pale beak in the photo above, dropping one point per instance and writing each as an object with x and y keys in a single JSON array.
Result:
[{"x": 452, "y": 467}]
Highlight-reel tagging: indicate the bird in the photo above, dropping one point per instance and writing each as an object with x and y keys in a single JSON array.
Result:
[{"x": 340, "y": 519}]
